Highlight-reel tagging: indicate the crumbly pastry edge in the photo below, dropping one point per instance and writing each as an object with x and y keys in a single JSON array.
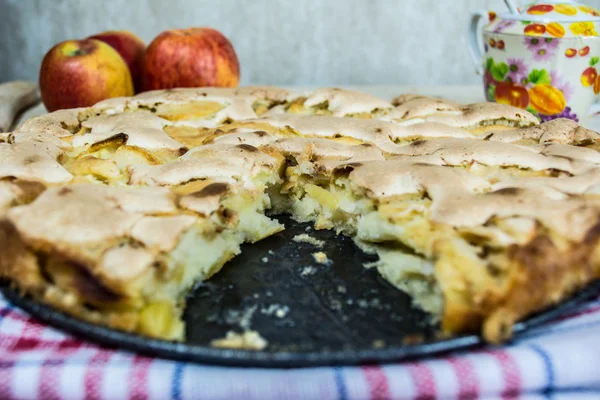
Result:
[{"x": 537, "y": 263}]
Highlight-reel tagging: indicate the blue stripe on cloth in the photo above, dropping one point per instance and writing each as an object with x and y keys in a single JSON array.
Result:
[
  {"x": 578, "y": 389},
  {"x": 548, "y": 367},
  {"x": 575, "y": 393},
  {"x": 9, "y": 364},
  {"x": 4, "y": 311},
  {"x": 339, "y": 383},
  {"x": 176, "y": 381}
]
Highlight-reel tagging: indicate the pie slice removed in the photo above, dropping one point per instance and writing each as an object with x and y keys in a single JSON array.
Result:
[{"x": 112, "y": 213}]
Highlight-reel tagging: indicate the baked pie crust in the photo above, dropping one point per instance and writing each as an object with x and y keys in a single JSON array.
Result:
[{"x": 482, "y": 215}]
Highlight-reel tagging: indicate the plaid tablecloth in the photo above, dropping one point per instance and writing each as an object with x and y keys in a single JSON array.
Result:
[{"x": 559, "y": 360}]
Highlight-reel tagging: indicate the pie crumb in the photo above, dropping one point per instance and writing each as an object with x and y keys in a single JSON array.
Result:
[
  {"x": 280, "y": 313},
  {"x": 276, "y": 309},
  {"x": 304, "y": 238},
  {"x": 321, "y": 258},
  {"x": 308, "y": 270},
  {"x": 248, "y": 340}
]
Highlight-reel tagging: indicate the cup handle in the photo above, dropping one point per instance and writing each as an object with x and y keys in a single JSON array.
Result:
[{"x": 475, "y": 38}]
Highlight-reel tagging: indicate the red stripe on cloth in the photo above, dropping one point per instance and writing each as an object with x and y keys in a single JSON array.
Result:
[
  {"x": 17, "y": 315},
  {"x": 49, "y": 387},
  {"x": 25, "y": 344},
  {"x": 6, "y": 344},
  {"x": 6, "y": 380},
  {"x": 377, "y": 382},
  {"x": 138, "y": 380},
  {"x": 51, "y": 371},
  {"x": 510, "y": 373},
  {"x": 423, "y": 380},
  {"x": 468, "y": 382},
  {"x": 14, "y": 344},
  {"x": 72, "y": 344},
  {"x": 32, "y": 328},
  {"x": 92, "y": 381}
]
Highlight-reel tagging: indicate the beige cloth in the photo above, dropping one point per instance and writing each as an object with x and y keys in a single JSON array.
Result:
[{"x": 14, "y": 98}]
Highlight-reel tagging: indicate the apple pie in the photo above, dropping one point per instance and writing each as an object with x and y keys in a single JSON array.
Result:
[{"x": 482, "y": 215}]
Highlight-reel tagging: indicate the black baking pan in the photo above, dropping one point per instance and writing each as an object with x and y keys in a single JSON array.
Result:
[{"x": 311, "y": 314}]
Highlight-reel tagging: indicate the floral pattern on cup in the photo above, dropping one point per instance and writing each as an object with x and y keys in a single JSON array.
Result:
[
  {"x": 517, "y": 71},
  {"x": 554, "y": 29},
  {"x": 590, "y": 77},
  {"x": 542, "y": 49},
  {"x": 548, "y": 20},
  {"x": 562, "y": 8},
  {"x": 503, "y": 25},
  {"x": 583, "y": 29},
  {"x": 543, "y": 93},
  {"x": 496, "y": 44},
  {"x": 565, "y": 9},
  {"x": 547, "y": 61},
  {"x": 583, "y": 52},
  {"x": 589, "y": 10}
]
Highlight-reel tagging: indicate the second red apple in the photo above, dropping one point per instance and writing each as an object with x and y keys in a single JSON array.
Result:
[
  {"x": 130, "y": 47},
  {"x": 194, "y": 57}
]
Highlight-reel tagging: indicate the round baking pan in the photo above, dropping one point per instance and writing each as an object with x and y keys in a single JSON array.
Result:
[{"x": 310, "y": 313}]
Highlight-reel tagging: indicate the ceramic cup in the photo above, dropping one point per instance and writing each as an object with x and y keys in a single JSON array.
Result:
[{"x": 540, "y": 69}]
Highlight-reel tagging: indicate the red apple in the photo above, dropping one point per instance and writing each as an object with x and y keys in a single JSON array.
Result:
[
  {"x": 194, "y": 57},
  {"x": 130, "y": 47},
  {"x": 80, "y": 73}
]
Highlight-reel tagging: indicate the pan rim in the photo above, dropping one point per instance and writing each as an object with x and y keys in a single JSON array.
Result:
[{"x": 181, "y": 351}]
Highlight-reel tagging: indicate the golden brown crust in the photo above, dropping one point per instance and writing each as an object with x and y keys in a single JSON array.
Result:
[
  {"x": 84, "y": 192},
  {"x": 541, "y": 276},
  {"x": 18, "y": 263},
  {"x": 560, "y": 130},
  {"x": 413, "y": 107}
]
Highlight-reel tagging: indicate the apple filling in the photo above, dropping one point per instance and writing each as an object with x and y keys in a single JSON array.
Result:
[
  {"x": 193, "y": 110},
  {"x": 447, "y": 271},
  {"x": 148, "y": 296},
  {"x": 496, "y": 125},
  {"x": 171, "y": 183}
]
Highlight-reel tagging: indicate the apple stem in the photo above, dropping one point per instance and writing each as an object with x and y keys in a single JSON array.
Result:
[{"x": 78, "y": 52}]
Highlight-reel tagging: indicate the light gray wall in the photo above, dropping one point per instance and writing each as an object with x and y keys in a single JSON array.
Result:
[{"x": 286, "y": 42}]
